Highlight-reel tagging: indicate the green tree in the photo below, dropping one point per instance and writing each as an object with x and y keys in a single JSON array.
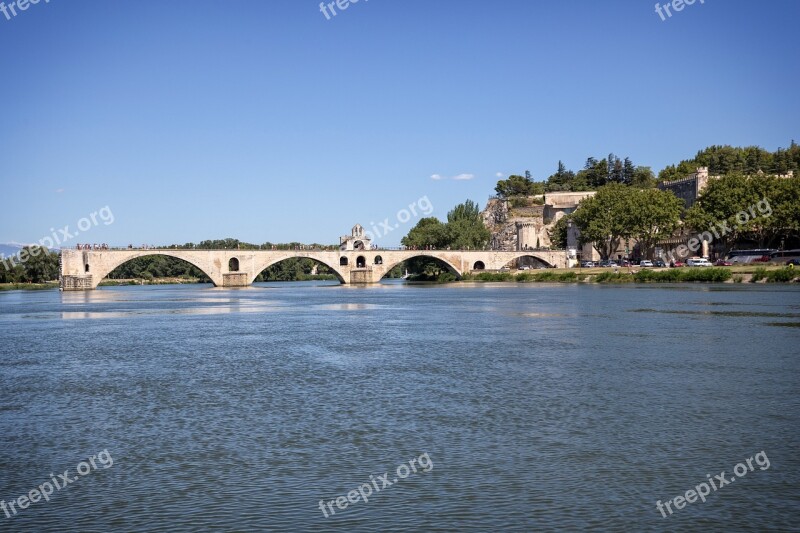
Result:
[
  {"x": 11, "y": 271},
  {"x": 730, "y": 205},
  {"x": 518, "y": 186},
  {"x": 562, "y": 180},
  {"x": 785, "y": 218},
  {"x": 605, "y": 219},
  {"x": 643, "y": 178},
  {"x": 597, "y": 174},
  {"x": 558, "y": 233},
  {"x": 673, "y": 172},
  {"x": 465, "y": 228},
  {"x": 41, "y": 264},
  {"x": 654, "y": 215},
  {"x": 628, "y": 171},
  {"x": 428, "y": 232}
]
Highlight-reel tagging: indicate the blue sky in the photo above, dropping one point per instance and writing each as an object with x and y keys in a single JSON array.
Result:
[{"x": 265, "y": 121}]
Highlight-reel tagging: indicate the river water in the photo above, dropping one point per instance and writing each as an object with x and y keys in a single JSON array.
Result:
[{"x": 530, "y": 407}]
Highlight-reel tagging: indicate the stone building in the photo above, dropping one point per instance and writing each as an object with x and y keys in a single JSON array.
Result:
[
  {"x": 521, "y": 224},
  {"x": 357, "y": 240},
  {"x": 688, "y": 188}
]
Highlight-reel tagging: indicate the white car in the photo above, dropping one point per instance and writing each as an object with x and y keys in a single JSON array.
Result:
[
  {"x": 644, "y": 263},
  {"x": 698, "y": 262}
]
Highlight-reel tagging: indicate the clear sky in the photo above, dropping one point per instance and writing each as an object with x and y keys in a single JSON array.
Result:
[{"x": 265, "y": 121}]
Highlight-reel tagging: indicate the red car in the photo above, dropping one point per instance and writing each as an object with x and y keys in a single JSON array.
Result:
[
  {"x": 722, "y": 263},
  {"x": 676, "y": 264}
]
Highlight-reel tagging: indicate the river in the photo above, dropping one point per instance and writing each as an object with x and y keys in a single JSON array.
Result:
[{"x": 495, "y": 407}]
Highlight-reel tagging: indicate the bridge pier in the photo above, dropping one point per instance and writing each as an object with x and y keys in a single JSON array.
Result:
[
  {"x": 76, "y": 283},
  {"x": 236, "y": 279}
]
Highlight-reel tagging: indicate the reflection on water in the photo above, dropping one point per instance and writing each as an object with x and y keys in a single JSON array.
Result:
[
  {"x": 543, "y": 406},
  {"x": 719, "y": 313},
  {"x": 346, "y": 307}
]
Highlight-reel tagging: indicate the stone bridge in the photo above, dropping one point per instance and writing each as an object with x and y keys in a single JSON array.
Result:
[{"x": 84, "y": 269}]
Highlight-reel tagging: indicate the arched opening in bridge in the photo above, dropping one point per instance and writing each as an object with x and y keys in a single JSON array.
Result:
[
  {"x": 479, "y": 265},
  {"x": 361, "y": 262},
  {"x": 527, "y": 262},
  {"x": 343, "y": 262},
  {"x": 378, "y": 260},
  {"x": 153, "y": 267},
  {"x": 358, "y": 245},
  {"x": 233, "y": 265},
  {"x": 298, "y": 269},
  {"x": 424, "y": 268}
]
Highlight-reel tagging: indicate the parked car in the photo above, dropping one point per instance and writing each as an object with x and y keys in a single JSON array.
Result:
[
  {"x": 793, "y": 262},
  {"x": 658, "y": 263},
  {"x": 608, "y": 264},
  {"x": 698, "y": 262},
  {"x": 625, "y": 263},
  {"x": 722, "y": 263},
  {"x": 588, "y": 264},
  {"x": 785, "y": 257},
  {"x": 646, "y": 263},
  {"x": 676, "y": 264}
]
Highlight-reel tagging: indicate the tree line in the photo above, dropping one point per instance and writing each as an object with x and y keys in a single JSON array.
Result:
[
  {"x": 750, "y": 160},
  {"x": 595, "y": 173},
  {"x": 38, "y": 265}
]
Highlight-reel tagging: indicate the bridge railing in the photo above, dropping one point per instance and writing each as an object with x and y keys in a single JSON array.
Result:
[{"x": 308, "y": 248}]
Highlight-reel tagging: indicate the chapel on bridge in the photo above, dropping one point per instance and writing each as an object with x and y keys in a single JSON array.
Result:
[{"x": 356, "y": 240}]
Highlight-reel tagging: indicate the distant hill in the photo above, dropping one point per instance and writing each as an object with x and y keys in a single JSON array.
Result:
[
  {"x": 9, "y": 249},
  {"x": 12, "y": 248}
]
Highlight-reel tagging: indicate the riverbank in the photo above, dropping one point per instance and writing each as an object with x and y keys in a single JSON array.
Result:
[
  {"x": 152, "y": 281},
  {"x": 28, "y": 286},
  {"x": 738, "y": 274}
]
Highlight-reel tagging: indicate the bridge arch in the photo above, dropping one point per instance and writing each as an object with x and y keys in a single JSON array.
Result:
[
  {"x": 528, "y": 255},
  {"x": 453, "y": 269},
  {"x": 262, "y": 266},
  {"x": 102, "y": 268}
]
